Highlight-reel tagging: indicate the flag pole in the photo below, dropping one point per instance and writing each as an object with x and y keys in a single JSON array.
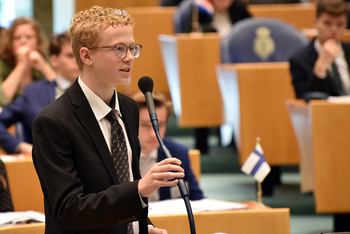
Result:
[
  {"x": 260, "y": 192},
  {"x": 195, "y": 18}
]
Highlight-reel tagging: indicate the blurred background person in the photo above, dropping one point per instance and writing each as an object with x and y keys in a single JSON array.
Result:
[
  {"x": 22, "y": 58},
  {"x": 38, "y": 95},
  {"x": 323, "y": 65},
  {"x": 225, "y": 14},
  {"x": 151, "y": 153}
]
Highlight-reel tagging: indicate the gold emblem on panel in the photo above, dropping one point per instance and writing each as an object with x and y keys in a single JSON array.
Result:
[{"x": 264, "y": 45}]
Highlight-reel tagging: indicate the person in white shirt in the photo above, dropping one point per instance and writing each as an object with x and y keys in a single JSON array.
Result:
[
  {"x": 151, "y": 152},
  {"x": 86, "y": 149}
]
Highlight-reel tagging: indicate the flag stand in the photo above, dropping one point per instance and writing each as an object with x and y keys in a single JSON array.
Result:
[
  {"x": 259, "y": 193},
  {"x": 195, "y": 19}
]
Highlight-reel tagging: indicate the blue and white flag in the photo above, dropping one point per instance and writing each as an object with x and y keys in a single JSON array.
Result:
[
  {"x": 205, "y": 6},
  {"x": 256, "y": 164}
]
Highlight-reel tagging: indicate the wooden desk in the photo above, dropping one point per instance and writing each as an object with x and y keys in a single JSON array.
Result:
[
  {"x": 299, "y": 15},
  {"x": 254, "y": 220},
  {"x": 24, "y": 184},
  {"x": 327, "y": 130},
  {"x": 34, "y": 228},
  {"x": 189, "y": 61},
  {"x": 254, "y": 96}
]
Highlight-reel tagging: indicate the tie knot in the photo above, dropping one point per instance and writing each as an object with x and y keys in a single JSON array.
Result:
[{"x": 111, "y": 116}]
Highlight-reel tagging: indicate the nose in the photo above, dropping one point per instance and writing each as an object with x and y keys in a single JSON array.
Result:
[
  {"x": 129, "y": 56},
  {"x": 23, "y": 40}
]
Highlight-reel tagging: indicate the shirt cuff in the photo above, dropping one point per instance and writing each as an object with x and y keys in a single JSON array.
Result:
[{"x": 142, "y": 202}]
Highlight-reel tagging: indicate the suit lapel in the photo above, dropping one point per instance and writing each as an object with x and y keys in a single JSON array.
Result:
[{"x": 87, "y": 118}]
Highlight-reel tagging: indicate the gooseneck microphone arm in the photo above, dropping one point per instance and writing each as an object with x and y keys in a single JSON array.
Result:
[{"x": 146, "y": 86}]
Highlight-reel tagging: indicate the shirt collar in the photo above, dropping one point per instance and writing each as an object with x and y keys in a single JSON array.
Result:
[
  {"x": 98, "y": 106},
  {"x": 153, "y": 154},
  {"x": 62, "y": 83}
]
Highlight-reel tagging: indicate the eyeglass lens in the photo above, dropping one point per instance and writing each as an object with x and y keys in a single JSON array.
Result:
[{"x": 121, "y": 50}]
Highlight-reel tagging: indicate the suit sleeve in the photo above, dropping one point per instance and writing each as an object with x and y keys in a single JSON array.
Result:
[
  {"x": 10, "y": 115},
  {"x": 303, "y": 78},
  {"x": 55, "y": 159}
]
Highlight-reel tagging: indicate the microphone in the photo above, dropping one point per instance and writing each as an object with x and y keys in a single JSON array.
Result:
[{"x": 146, "y": 86}]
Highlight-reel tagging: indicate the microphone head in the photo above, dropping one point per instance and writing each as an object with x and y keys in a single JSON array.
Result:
[{"x": 145, "y": 84}]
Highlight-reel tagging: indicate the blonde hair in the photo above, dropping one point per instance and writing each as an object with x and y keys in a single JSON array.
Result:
[
  {"x": 7, "y": 37},
  {"x": 159, "y": 101},
  {"x": 86, "y": 26}
]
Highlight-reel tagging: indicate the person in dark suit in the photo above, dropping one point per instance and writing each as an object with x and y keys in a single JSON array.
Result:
[
  {"x": 323, "y": 65},
  {"x": 38, "y": 95},
  {"x": 151, "y": 153},
  {"x": 82, "y": 138}
]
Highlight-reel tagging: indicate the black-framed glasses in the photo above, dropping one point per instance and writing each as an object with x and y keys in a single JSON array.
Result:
[{"x": 121, "y": 50}]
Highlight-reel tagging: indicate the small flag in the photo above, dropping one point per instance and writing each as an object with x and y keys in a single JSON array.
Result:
[
  {"x": 256, "y": 164},
  {"x": 205, "y": 6}
]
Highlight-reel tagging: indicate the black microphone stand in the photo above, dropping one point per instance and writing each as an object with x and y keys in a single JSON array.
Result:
[{"x": 181, "y": 184}]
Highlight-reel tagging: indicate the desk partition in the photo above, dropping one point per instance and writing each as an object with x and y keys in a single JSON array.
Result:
[
  {"x": 189, "y": 61},
  {"x": 254, "y": 97},
  {"x": 326, "y": 150}
]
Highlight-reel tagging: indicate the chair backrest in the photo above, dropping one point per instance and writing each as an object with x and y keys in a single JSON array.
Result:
[
  {"x": 261, "y": 40},
  {"x": 182, "y": 14},
  {"x": 195, "y": 159}
]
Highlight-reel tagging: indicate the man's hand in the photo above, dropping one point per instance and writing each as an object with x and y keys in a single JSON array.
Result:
[
  {"x": 153, "y": 230},
  {"x": 330, "y": 50},
  {"x": 25, "y": 148},
  {"x": 159, "y": 176}
]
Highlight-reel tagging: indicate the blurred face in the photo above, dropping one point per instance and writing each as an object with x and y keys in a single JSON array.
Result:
[
  {"x": 222, "y": 6},
  {"x": 146, "y": 133},
  {"x": 107, "y": 67},
  {"x": 65, "y": 64},
  {"x": 24, "y": 35},
  {"x": 330, "y": 27}
]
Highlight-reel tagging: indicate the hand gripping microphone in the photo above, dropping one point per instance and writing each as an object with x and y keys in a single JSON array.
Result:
[{"x": 146, "y": 86}]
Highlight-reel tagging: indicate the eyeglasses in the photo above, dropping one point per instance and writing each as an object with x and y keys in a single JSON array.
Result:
[{"x": 121, "y": 50}]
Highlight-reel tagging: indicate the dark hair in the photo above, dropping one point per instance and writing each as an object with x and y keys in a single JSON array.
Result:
[
  {"x": 159, "y": 101},
  {"x": 332, "y": 7},
  {"x": 57, "y": 41}
]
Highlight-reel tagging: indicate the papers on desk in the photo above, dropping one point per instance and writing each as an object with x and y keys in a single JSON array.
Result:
[
  {"x": 177, "y": 206},
  {"x": 340, "y": 99},
  {"x": 11, "y": 218},
  {"x": 9, "y": 158}
]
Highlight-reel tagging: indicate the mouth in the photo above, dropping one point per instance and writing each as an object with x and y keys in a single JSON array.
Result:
[{"x": 125, "y": 70}]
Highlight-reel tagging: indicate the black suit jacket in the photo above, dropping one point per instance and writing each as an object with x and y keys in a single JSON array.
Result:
[
  {"x": 81, "y": 190},
  {"x": 304, "y": 80}
]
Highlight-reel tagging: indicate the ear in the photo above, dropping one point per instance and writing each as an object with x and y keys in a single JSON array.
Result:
[
  {"x": 53, "y": 61},
  {"x": 85, "y": 56}
]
